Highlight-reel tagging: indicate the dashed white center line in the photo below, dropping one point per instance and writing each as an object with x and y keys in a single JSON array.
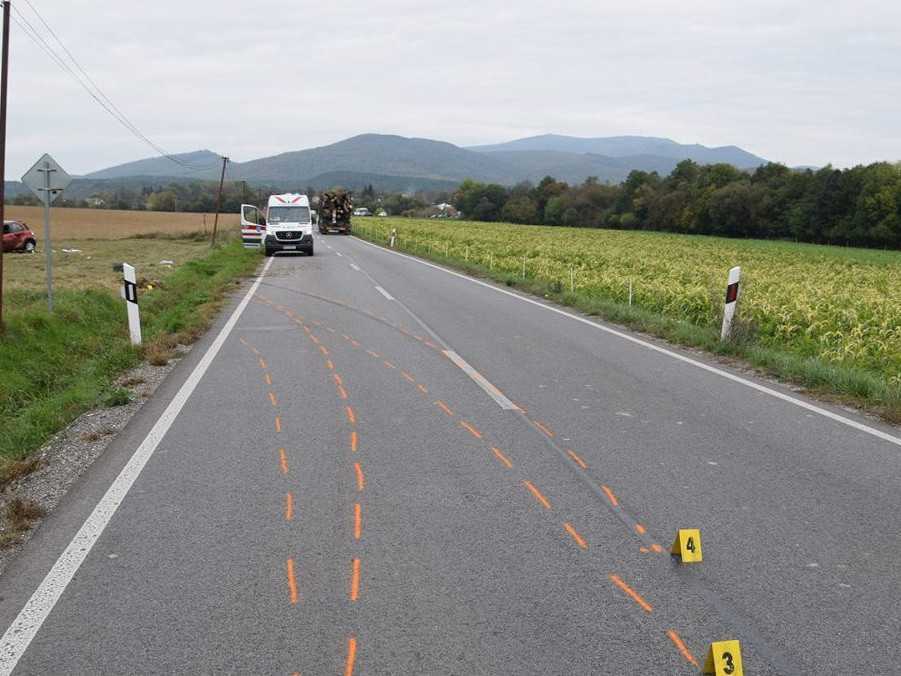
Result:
[
  {"x": 339, "y": 253},
  {"x": 482, "y": 382},
  {"x": 355, "y": 267},
  {"x": 384, "y": 293}
]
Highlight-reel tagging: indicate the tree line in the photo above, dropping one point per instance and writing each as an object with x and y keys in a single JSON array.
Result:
[
  {"x": 200, "y": 196},
  {"x": 859, "y": 206}
]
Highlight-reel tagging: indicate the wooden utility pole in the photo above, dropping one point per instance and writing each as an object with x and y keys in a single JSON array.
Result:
[
  {"x": 4, "y": 79},
  {"x": 218, "y": 202}
]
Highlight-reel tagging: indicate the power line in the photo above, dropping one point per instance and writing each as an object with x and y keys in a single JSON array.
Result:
[{"x": 93, "y": 90}]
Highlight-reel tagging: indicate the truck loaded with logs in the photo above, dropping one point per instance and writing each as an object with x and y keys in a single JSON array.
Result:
[{"x": 335, "y": 209}]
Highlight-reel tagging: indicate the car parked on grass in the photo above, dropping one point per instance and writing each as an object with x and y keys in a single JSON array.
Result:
[{"x": 18, "y": 237}]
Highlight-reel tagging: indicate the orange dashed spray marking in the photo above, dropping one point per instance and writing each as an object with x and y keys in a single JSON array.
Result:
[
  {"x": 631, "y": 593},
  {"x": 355, "y": 580},
  {"x": 682, "y": 648},
  {"x": 351, "y": 656},
  {"x": 575, "y": 536},
  {"x": 538, "y": 495},
  {"x": 292, "y": 583},
  {"x": 472, "y": 430},
  {"x": 576, "y": 459},
  {"x": 503, "y": 458}
]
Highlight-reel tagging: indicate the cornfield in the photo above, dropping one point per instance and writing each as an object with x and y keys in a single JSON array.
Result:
[{"x": 840, "y": 304}]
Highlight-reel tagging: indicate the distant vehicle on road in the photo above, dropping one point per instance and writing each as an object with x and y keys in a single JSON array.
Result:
[
  {"x": 287, "y": 226},
  {"x": 18, "y": 237},
  {"x": 335, "y": 209},
  {"x": 362, "y": 211}
]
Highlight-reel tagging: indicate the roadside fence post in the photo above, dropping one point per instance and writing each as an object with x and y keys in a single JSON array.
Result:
[
  {"x": 130, "y": 294},
  {"x": 630, "y": 292},
  {"x": 572, "y": 279},
  {"x": 523, "y": 267},
  {"x": 732, "y": 289}
]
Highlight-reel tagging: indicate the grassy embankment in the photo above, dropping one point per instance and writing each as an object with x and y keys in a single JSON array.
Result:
[
  {"x": 55, "y": 366},
  {"x": 825, "y": 318}
]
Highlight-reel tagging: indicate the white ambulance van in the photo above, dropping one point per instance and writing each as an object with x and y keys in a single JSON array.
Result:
[{"x": 288, "y": 225}]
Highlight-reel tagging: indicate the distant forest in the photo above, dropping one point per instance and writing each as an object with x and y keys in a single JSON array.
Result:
[{"x": 859, "y": 206}]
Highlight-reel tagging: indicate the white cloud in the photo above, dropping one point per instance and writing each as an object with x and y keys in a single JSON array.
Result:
[{"x": 804, "y": 82}]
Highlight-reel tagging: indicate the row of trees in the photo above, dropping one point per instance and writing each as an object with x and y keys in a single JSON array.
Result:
[
  {"x": 859, "y": 206},
  {"x": 200, "y": 196},
  {"x": 194, "y": 196}
]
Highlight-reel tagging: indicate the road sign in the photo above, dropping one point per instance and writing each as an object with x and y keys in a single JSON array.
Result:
[{"x": 47, "y": 179}]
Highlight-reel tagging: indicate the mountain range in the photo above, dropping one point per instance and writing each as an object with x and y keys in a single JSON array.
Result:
[{"x": 398, "y": 163}]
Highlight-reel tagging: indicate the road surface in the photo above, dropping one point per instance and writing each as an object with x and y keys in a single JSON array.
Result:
[{"x": 375, "y": 466}]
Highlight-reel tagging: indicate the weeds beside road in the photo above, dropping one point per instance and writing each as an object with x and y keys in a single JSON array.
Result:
[{"x": 55, "y": 366}]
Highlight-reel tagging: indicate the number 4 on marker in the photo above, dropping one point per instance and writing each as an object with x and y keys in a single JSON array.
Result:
[
  {"x": 687, "y": 545},
  {"x": 723, "y": 659}
]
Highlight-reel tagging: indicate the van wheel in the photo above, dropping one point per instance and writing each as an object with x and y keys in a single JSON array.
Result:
[{"x": 268, "y": 252}]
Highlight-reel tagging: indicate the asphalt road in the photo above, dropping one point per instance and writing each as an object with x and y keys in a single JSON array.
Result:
[{"x": 372, "y": 465}]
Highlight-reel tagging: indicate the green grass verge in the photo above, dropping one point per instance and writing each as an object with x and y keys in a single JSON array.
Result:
[
  {"x": 53, "y": 367},
  {"x": 857, "y": 386}
]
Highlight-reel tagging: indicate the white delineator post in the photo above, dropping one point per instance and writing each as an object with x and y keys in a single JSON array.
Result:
[
  {"x": 731, "y": 302},
  {"x": 130, "y": 293}
]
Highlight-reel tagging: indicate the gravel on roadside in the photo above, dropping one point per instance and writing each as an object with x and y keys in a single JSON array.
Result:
[{"x": 71, "y": 451}]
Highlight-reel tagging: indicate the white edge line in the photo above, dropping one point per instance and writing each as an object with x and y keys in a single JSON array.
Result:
[
  {"x": 482, "y": 382},
  {"x": 885, "y": 436},
  {"x": 39, "y": 606},
  {"x": 384, "y": 293}
]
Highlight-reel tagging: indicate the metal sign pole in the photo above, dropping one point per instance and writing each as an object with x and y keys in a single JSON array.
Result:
[
  {"x": 47, "y": 196},
  {"x": 4, "y": 77}
]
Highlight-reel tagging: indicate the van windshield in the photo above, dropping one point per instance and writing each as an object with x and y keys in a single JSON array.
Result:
[{"x": 289, "y": 215}]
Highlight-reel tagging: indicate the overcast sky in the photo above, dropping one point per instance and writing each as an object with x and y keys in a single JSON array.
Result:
[{"x": 797, "y": 81}]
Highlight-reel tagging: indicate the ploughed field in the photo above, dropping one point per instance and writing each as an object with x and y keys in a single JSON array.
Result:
[
  {"x": 113, "y": 224},
  {"x": 842, "y": 305},
  {"x": 88, "y": 242}
]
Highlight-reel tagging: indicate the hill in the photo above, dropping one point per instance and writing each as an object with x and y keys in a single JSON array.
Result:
[
  {"x": 395, "y": 162},
  {"x": 378, "y": 154},
  {"x": 201, "y": 164},
  {"x": 630, "y": 146}
]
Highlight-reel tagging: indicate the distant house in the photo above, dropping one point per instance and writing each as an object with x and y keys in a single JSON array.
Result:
[
  {"x": 381, "y": 213},
  {"x": 95, "y": 202},
  {"x": 444, "y": 210}
]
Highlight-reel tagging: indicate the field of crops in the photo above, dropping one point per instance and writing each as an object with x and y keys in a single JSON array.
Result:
[
  {"x": 88, "y": 242},
  {"x": 840, "y": 304},
  {"x": 110, "y": 224}
]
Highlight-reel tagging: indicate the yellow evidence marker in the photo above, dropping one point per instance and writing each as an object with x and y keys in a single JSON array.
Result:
[
  {"x": 687, "y": 545},
  {"x": 723, "y": 659}
]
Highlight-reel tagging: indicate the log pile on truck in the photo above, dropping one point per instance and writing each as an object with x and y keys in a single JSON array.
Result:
[{"x": 335, "y": 209}]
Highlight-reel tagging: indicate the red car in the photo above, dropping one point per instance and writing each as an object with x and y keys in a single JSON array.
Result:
[{"x": 17, "y": 237}]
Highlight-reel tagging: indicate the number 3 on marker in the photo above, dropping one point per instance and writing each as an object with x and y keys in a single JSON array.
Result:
[{"x": 724, "y": 659}]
